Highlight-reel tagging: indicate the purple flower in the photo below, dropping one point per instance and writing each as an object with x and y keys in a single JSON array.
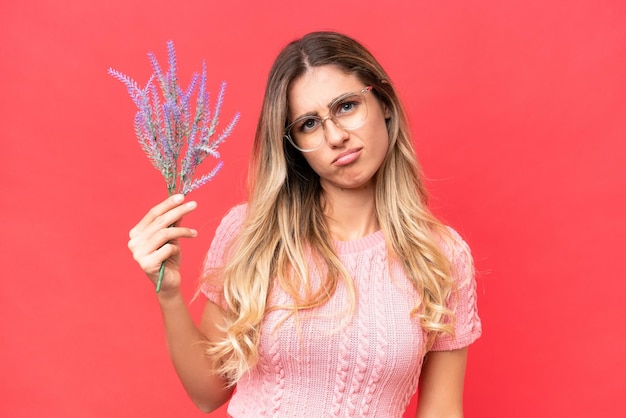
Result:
[{"x": 165, "y": 124}]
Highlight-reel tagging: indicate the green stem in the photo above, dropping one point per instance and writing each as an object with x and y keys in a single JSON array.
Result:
[
  {"x": 170, "y": 191},
  {"x": 161, "y": 271}
]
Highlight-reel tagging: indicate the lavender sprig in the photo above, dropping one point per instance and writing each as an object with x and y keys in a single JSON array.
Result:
[{"x": 165, "y": 125}]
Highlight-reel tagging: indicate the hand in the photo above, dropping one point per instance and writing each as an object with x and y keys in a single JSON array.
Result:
[{"x": 155, "y": 239}]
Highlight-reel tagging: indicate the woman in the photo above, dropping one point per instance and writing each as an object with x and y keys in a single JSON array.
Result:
[{"x": 333, "y": 291}]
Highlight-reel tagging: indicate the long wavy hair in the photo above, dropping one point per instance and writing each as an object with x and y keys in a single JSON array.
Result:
[{"x": 285, "y": 223}]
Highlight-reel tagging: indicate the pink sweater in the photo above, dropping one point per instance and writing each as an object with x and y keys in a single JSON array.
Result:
[{"x": 332, "y": 364}]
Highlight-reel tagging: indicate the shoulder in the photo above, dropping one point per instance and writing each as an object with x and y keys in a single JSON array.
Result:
[
  {"x": 234, "y": 218},
  {"x": 458, "y": 252},
  {"x": 463, "y": 302},
  {"x": 452, "y": 243},
  {"x": 226, "y": 231},
  {"x": 231, "y": 223}
]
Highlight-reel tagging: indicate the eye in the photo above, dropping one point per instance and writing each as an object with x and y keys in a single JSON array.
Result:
[
  {"x": 306, "y": 125},
  {"x": 346, "y": 106}
]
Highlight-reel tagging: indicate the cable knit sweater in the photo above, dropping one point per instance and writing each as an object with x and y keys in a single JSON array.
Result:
[{"x": 332, "y": 364}]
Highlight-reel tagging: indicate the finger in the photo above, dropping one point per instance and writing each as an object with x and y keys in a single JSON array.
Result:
[
  {"x": 151, "y": 263},
  {"x": 156, "y": 211},
  {"x": 169, "y": 219},
  {"x": 163, "y": 215},
  {"x": 143, "y": 244}
]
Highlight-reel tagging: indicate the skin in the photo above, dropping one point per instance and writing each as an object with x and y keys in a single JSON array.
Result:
[
  {"x": 152, "y": 242},
  {"x": 348, "y": 188},
  {"x": 441, "y": 385},
  {"x": 350, "y": 207},
  {"x": 349, "y": 202}
]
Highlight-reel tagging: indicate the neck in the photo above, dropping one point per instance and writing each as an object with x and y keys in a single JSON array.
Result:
[{"x": 350, "y": 213}]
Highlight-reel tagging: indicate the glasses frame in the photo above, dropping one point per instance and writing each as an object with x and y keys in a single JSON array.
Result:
[{"x": 323, "y": 120}]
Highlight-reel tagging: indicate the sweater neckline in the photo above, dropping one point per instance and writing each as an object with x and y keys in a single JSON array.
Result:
[{"x": 364, "y": 243}]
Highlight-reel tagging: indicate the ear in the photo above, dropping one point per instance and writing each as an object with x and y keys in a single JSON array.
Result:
[{"x": 387, "y": 112}]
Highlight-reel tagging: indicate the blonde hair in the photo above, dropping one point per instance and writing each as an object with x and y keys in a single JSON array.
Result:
[{"x": 285, "y": 220}]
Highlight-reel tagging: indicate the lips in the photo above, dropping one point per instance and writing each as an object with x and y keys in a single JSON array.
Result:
[{"x": 347, "y": 157}]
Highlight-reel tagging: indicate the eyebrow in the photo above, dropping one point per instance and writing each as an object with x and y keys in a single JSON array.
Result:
[{"x": 332, "y": 102}]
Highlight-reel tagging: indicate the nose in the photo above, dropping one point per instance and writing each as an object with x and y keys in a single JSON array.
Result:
[{"x": 334, "y": 134}]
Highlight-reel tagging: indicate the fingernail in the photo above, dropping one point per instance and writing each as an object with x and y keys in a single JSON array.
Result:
[
  {"x": 178, "y": 198},
  {"x": 193, "y": 232},
  {"x": 191, "y": 204}
]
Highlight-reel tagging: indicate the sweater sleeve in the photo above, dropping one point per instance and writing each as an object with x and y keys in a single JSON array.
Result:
[
  {"x": 462, "y": 302},
  {"x": 212, "y": 286}
]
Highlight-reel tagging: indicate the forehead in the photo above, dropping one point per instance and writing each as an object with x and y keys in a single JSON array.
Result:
[{"x": 315, "y": 89}]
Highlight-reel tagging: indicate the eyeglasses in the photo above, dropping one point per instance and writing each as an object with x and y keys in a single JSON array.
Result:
[{"x": 348, "y": 112}]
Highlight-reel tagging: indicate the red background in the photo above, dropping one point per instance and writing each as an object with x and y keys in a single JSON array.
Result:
[{"x": 519, "y": 114}]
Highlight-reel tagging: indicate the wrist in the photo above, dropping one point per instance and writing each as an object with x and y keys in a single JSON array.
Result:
[{"x": 165, "y": 296}]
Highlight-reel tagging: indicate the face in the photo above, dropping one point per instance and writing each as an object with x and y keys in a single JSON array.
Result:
[{"x": 347, "y": 159}]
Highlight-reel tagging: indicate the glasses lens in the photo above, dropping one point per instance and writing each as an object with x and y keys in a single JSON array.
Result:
[
  {"x": 349, "y": 112},
  {"x": 306, "y": 133}
]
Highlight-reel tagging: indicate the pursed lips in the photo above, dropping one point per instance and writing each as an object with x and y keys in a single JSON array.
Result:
[{"x": 347, "y": 157}]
